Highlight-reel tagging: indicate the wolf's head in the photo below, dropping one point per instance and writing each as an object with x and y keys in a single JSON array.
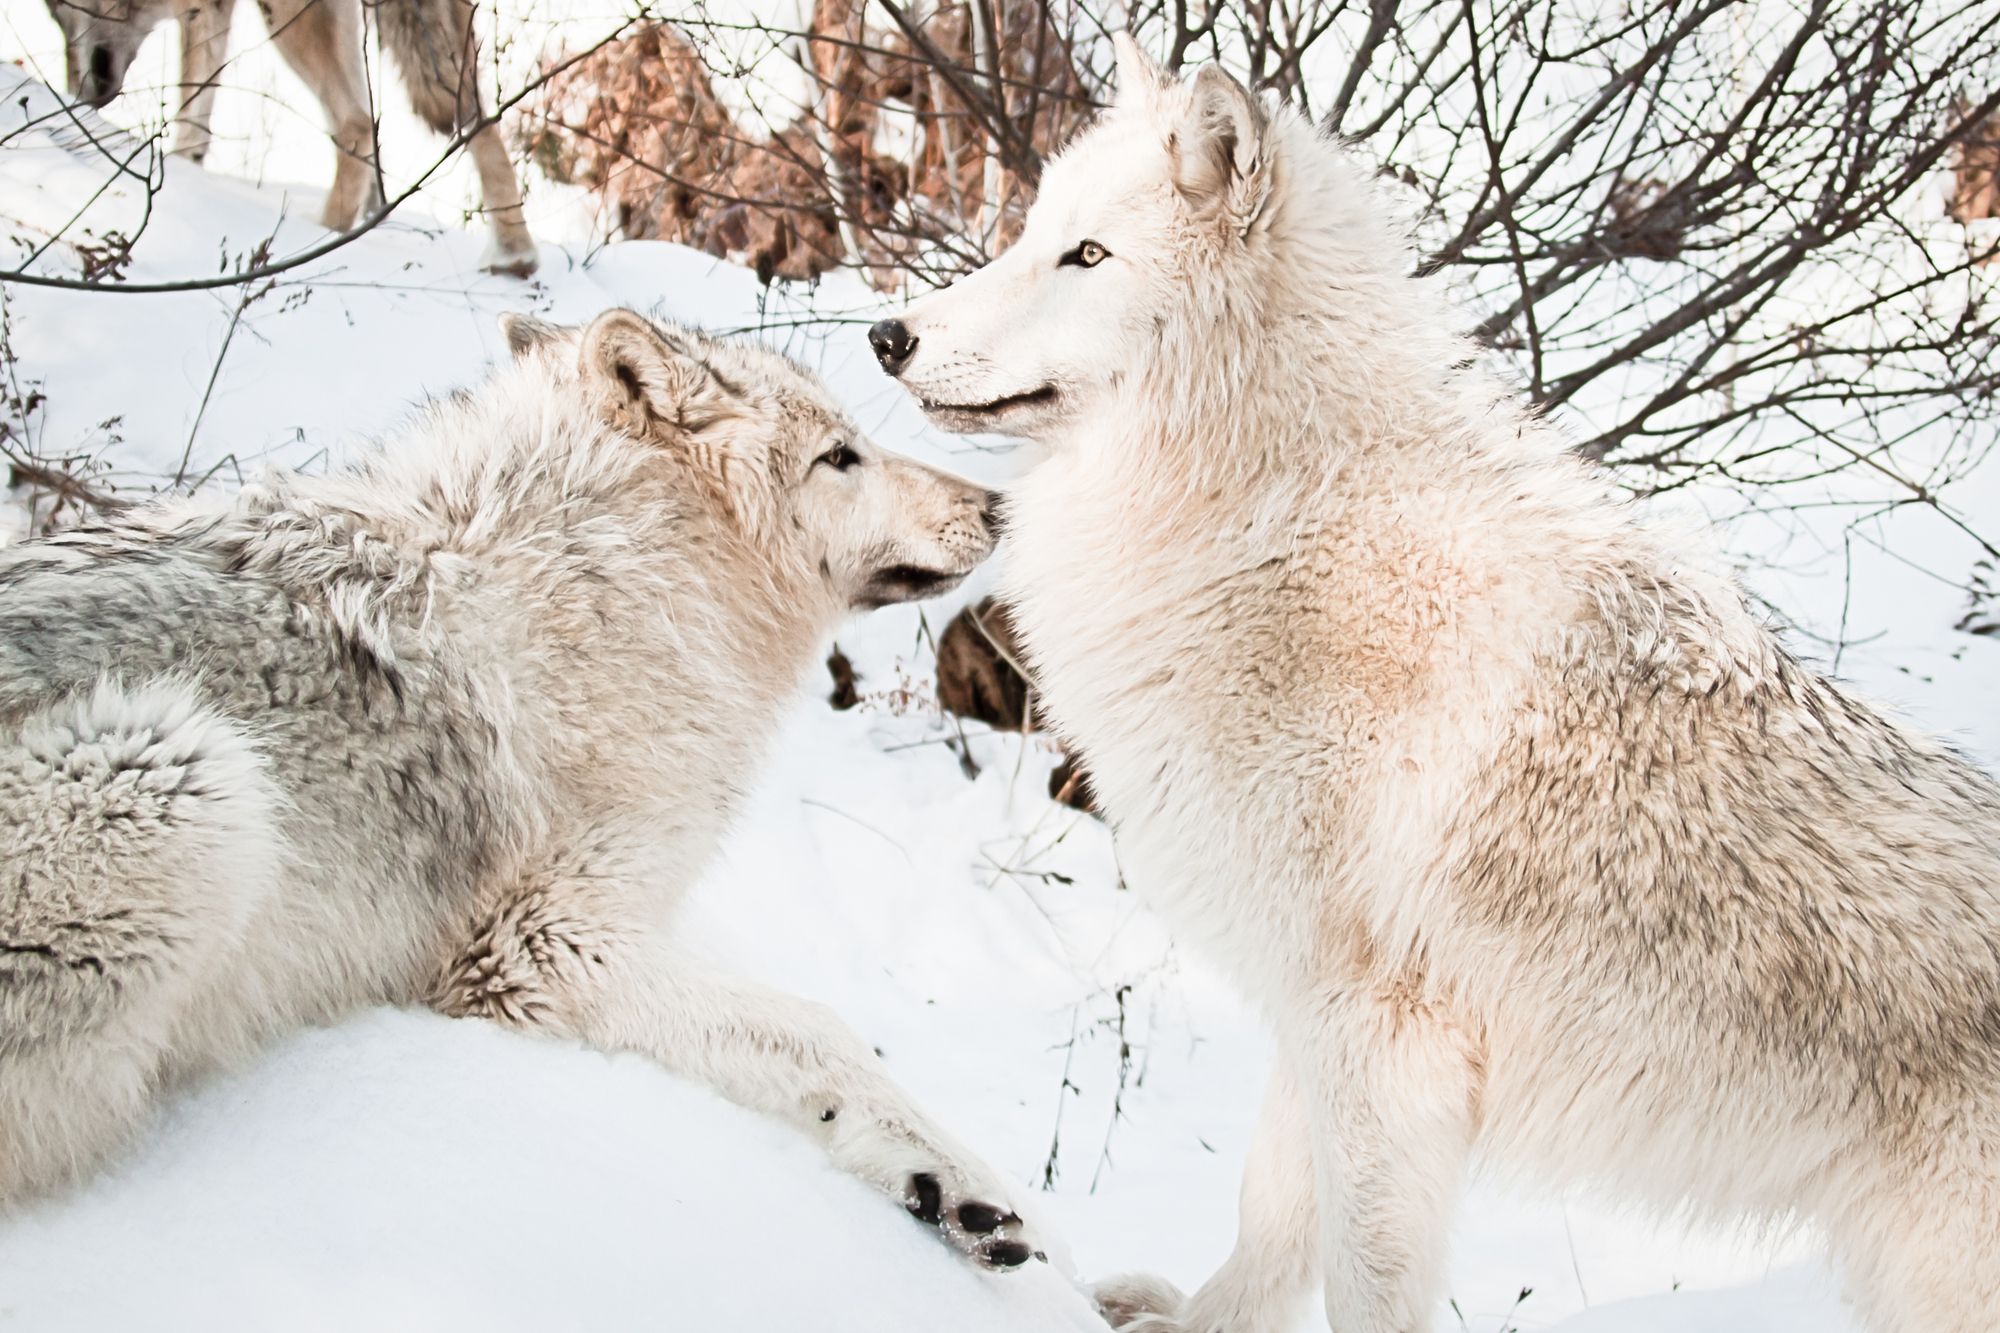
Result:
[
  {"x": 1131, "y": 218},
  {"x": 783, "y": 464},
  {"x": 100, "y": 37}
]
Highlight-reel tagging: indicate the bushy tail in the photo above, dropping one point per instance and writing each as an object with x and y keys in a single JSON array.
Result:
[
  {"x": 433, "y": 43},
  {"x": 137, "y": 836}
]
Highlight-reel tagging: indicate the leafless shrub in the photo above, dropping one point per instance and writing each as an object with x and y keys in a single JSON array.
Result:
[
  {"x": 55, "y": 489},
  {"x": 914, "y": 149},
  {"x": 976, "y": 673},
  {"x": 846, "y": 684},
  {"x": 639, "y": 122}
]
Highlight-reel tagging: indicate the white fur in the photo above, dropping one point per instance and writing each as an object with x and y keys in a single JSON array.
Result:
[{"x": 1533, "y": 845}]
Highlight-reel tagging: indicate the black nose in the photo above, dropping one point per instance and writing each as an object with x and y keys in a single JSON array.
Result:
[{"x": 893, "y": 345}]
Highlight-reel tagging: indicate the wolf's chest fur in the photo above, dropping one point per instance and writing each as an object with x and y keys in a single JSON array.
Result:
[{"x": 1263, "y": 714}]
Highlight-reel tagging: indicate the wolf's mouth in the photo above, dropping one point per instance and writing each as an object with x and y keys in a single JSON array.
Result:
[
  {"x": 907, "y": 583},
  {"x": 1045, "y": 394}
]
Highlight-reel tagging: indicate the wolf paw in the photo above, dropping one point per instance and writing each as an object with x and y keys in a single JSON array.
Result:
[
  {"x": 517, "y": 258},
  {"x": 1139, "y": 1303},
  {"x": 992, "y": 1234}
]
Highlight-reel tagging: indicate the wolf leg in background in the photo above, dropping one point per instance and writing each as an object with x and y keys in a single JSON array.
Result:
[
  {"x": 434, "y": 45},
  {"x": 1527, "y": 836},
  {"x": 204, "y": 50},
  {"x": 137, "y": 831},
  {"x": 619, "y": 985},
  {"x": 322, "y": 41}
]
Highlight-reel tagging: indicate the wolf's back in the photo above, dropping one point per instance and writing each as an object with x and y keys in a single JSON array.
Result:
[{"x": 78, "y": 611}]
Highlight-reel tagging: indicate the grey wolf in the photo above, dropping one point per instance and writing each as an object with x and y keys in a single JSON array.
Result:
[
  {"x": 1533, "y": 844},
  {"x": 433, "y": 44},
  {"x": 458, "y": 728}
]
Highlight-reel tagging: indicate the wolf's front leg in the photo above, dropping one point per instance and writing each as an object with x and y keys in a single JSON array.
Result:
[
  {"x": 568, "y": 958},
  {"x": 1263, "y": 1285},
  {"x": 1391, "y": 1087},
  {"x": 204, "y": 50}
]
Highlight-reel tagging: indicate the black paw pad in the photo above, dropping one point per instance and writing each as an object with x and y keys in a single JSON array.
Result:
[
  {"x": 980, "y": 1218},
  {"x": 1008, "y": 1254},
  {"x": 929, "y": 1206}
]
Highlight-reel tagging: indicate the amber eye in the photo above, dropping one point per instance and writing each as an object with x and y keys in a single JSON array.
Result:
[
  {"x": 839, "y": 458},
  {"x": 1088, "y": 254}
]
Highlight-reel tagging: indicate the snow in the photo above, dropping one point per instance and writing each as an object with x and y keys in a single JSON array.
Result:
[
  {"x": 402, "y": 1171},
  {"x": 408, "y": 1172}
]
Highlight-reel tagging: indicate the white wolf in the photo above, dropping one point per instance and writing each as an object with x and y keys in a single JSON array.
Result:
[
  {"x": 1530, "y": 841},
  {"x": 432, "y": 41},
  {"x": 458, "y": 727}
]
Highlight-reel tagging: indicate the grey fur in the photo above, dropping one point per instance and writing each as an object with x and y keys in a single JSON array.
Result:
[{"x": 456, "y": 727}]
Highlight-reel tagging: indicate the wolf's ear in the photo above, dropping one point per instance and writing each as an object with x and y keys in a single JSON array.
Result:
[
  {"x": 1221, "y": 150},
  {"x": 1137, "y": 77},
  {"x": 647, "y": 384},
  {"x": 524, "y": 333}
]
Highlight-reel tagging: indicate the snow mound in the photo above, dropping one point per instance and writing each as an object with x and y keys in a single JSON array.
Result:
[{"x": 408, "y": 1172}]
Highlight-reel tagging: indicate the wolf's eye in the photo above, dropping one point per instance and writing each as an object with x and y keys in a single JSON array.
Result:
[
  {"x": 839, "y": 458},
  {"x": 1088, "y": 254}
]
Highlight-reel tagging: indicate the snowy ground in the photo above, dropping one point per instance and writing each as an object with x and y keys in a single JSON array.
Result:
[{"x": 405, "y": 1172}]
